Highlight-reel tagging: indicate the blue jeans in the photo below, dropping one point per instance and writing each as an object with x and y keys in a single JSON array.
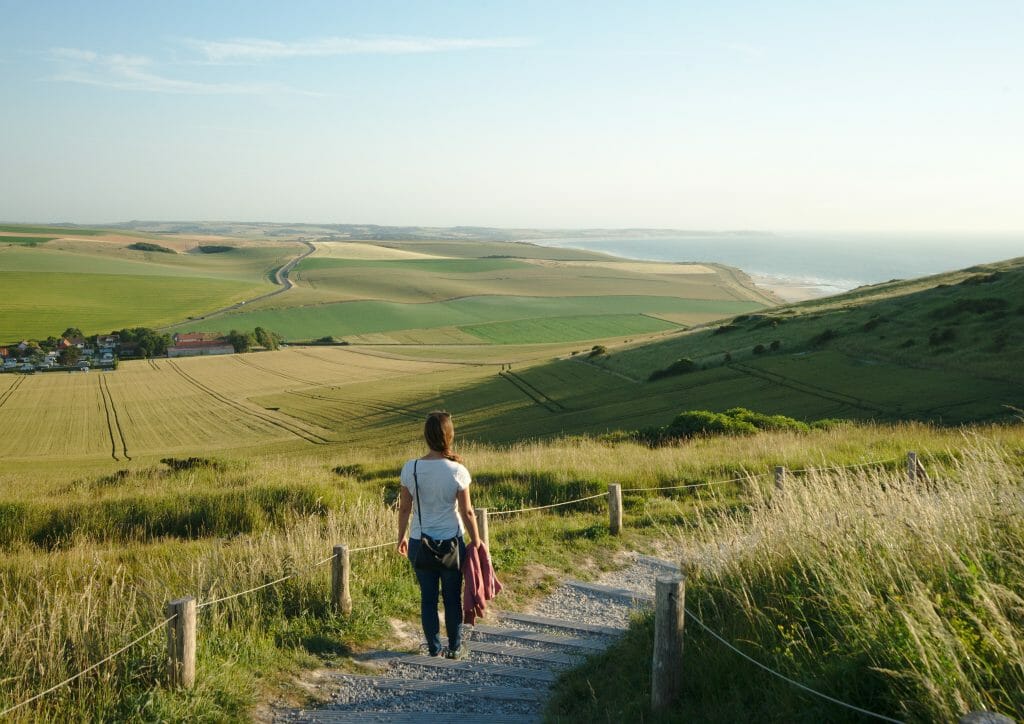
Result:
[{"x": 450, "y": 584}]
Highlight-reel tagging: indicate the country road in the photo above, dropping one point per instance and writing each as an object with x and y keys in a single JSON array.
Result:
[{"x": 280, "y": 278}]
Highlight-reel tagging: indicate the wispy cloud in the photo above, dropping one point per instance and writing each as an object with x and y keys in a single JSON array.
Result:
[
  {"x": 137, "y": 73},
  {"x": 253, "y": 49}
]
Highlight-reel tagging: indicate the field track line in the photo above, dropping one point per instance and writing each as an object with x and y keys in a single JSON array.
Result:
[
  {"x": 152, "y": 364},
  {"x": 10, "y": 390},
  {"x": 378, "y": 405},
  {"x": 282, "y": 375},
  {"x": 536, "y": 389},
  {"x": 117, "y": 420},
  {"x": 374, "y": 369},
  {"x": 110, "y": 424},
  {"x": 808, "y": 389},
  {"x": 526, "y": 391},
  {"x": 399, "y": 358},
  {"x": 299, "y": 432},
  {"x": 607, "y": 371}
]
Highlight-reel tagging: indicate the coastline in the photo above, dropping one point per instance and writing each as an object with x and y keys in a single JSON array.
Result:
[{"x": 784, "y": 288}]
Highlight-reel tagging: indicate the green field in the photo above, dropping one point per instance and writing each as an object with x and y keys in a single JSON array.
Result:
[
  {"x": 356, "y": 318},
  {"x": 566, "y": 329},
  {"x": 431, "y": 266},
  {"x": 40, "y": 304},
  {"x": 27, "y": 240}
]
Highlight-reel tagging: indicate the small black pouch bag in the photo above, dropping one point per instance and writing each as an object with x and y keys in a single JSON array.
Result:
[{"x": 433, "y": 554}]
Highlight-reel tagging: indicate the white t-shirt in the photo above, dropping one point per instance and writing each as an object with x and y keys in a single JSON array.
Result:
[{"x": 439, "y": 482}]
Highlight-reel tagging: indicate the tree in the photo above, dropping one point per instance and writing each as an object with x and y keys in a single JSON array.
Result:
[
  {"x": 72, "y": 332},
  {"x": 266, "y": 339},
  {"x": 241, "y": 341},
  {"x": 69, "y": 356}
]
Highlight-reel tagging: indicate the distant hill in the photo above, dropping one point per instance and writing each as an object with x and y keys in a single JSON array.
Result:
[{"x": 945, "y": 349}]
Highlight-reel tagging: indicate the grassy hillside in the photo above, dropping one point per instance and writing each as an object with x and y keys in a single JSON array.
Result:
[
  {"x": 90, "y": 558},
  {"x": 942, "y": 349}
]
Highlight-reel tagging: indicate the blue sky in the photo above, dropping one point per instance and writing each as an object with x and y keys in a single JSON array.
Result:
[{"x": 783, "y": 116}]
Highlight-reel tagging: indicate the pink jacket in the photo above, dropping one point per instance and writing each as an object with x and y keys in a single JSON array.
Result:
[{"x": 480, "y": 584}]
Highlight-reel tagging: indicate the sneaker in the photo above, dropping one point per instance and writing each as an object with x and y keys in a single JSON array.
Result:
[
  {"x": 458, "y": 654},
  {"x": 425, "y": 651}
]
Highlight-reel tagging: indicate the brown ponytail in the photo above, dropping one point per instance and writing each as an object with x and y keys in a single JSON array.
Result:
[{"x": 439, "y": 433}]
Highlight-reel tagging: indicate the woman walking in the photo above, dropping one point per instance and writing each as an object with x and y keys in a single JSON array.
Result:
[{"x": 435, "y": 494}]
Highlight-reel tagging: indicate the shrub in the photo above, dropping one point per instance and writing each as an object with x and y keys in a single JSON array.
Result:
[
  {"x": 192, "y": 463},
  {"x": 727, "y": 328},
  {"x": 597, "y": 350},
  {"x": 727, "y": 358},
  {"x": 775, "y": 345},
  {"x": 768, "y": 322},
  {"x": 759, "y": 349},
  {"x": 214, "y": 249},
  {"x": 826, "y": 336},
  {"x": 681, "y": 366},
  {"x": 146, "y": 246}
]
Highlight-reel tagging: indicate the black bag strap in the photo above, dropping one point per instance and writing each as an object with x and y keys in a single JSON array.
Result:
[{"x": 416, "y": 486}]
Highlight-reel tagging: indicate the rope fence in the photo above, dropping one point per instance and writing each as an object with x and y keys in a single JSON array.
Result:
[
  {"x": 782, "y": 676},
  {"x": 82, "y": 673},
  {"x": 181, "y": 624}
]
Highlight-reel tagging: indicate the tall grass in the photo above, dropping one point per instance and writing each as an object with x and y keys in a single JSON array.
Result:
[
  {"x": 904, "y": 599},
  {"x": 87, "y": 564}
]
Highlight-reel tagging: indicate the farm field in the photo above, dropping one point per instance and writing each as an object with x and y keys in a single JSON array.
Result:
[
  {"x": 93, "y": 281},
  {"x": 374, "y": 317}
]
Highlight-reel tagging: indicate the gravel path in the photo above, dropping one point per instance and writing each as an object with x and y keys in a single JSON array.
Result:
[{"x": 516, "y": 692}]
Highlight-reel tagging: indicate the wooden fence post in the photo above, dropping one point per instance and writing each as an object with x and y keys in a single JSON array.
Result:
[
  {"x": 615, "y": 508},
  {"x": 912, "y": 468},
  {"x": 667, "y": 664},
  {"x": 780, "y": 476},
  {"x": 181, "y": 642},
  {"x": 341, "y": 597},
  {"x": 481, "y": 524}
]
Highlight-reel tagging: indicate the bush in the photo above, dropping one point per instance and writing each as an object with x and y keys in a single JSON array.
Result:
[
  {"x": 759, "y": 349},
  {"x": 191, "y": 463},
  {"x": 214, "y": 249},
  {"x": 775, "y": 346},
  {"x": 826, "y": 336},
  {"x": 146, "y": 246},
  {"x": 727, "y": 328},
  {"x": 681, "y": 366},
  {"x": 727, "y": 358},
  {"x": 597, "y": 350},
  {"x": 734, "y": 421}
]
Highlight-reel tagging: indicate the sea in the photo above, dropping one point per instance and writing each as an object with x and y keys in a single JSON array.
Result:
[{"x": 826, "y": 262}]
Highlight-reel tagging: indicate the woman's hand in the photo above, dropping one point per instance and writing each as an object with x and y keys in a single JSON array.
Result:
[{"x": 403, "y": 547}]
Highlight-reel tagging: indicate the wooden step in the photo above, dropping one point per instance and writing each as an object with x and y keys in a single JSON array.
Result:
[
  {"x": 335, "y": 716},
  {"x": 633, "y": 597},
  {"x": 469, "y": 688},
  {"x": 522, "y": 652},
  {"x": 572, "y": 641},
  {"x": 560, "y": 624},
  {"x": 439, "y": 662}
]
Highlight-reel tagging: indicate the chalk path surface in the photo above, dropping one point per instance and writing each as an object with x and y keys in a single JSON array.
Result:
[{"x": 514, "y": 658}]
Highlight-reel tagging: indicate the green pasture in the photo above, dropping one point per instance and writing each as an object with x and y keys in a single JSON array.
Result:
[
  {"x": 494, "y": 249},
  {"x": 55, "y": 230},
  {"x": 430, "y": 266},
  {"x": 246, "y": 263},
  {"x": 566, "y": 329},
  {"x": 26, "y": 240},
  {"x": 363, "y": 317},
  {"x": 39, "y": 304}
]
